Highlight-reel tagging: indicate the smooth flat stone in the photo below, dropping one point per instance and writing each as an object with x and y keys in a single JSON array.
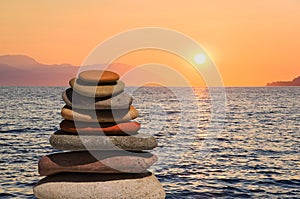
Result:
[
  {"x": 97, "y": 162},
  {"x": 83, "y": 128},
  {"x": 98, "y": 76},
  {"x": 73, "y": 99},
  {"x": 97, "y": 90},
  {"x": 81, "y": 115},
  {"x": 95, "y": 186},
  {"x": 139, "y": 142}
]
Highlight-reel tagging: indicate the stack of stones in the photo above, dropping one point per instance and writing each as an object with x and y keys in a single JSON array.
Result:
[{"x": 106, "y": 155}]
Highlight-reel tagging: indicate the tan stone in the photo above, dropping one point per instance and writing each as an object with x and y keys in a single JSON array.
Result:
[
  {"x": 91, "y": 90},
  {"x": 96, "y": 186},
  {"x": 80, "y": 115}
]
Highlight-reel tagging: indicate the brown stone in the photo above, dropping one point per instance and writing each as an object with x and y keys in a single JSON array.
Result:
[
  {"x": 80, "y": 115},
  {"x": 96, "y": 162},
  {"x": 123, "y": 128},
  {"x": 98, "y": 76}
]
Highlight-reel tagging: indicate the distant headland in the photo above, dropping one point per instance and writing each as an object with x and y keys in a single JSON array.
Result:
[{"x": 294, "y": 82}]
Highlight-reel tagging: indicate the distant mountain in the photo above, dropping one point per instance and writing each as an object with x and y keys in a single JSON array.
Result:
[
  {"x": 18, "y": 61},
  {"x": 294, "y": 82},
  {"x": 22, "y": 70}
]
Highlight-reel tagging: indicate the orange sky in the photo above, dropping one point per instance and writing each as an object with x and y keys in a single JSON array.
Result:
[{"x": 251, "y": 42}]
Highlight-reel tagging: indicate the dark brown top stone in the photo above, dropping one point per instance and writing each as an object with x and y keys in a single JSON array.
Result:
[{"x": 98, "y": 76}]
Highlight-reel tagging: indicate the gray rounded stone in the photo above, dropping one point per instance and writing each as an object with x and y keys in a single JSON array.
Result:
[
  {"x": 96, "y": 90},
  {"x": 138, "y": 142},
  {"x": 104, "y": 186},
  {"x": 74, "y": 100}
]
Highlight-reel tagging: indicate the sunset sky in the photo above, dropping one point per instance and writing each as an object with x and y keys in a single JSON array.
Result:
[{"x": 251, "y": 42}]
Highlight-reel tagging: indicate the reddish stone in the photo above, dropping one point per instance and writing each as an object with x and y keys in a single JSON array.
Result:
[
  {"x": 97, "y": 162},
  {"x": 98, "y": 128}
]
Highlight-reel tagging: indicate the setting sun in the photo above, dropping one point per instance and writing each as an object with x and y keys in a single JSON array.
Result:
[
  {"x": 200, "y": 58},
  {"x": 244, "y": 37}
]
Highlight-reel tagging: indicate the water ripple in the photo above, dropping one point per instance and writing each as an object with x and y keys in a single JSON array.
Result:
[{"x": 257, "y": 155}]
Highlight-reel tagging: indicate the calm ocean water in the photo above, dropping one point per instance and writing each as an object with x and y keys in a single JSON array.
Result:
[{"x": 256, "y": 156}]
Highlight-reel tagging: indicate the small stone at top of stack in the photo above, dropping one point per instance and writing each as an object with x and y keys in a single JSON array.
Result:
[
  {"x": 99, "y": 76},
  {"x": 97, "y": 109}
]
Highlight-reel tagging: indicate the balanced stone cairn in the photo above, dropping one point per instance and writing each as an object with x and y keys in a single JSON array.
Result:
[{"x": 106, "y": 157}]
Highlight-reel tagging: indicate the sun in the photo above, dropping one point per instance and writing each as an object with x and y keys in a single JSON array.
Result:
[{"x": 200, "y": 58}]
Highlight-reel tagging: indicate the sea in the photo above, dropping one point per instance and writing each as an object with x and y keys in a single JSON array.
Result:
[{"x": 232, "y": 142}]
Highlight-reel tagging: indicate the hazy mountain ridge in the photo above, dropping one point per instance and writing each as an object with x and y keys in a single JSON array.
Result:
[
  {"x": 294, "y": 82},
  {"x": 22, "y": 70},
  {"x": 18, "y": 61}
]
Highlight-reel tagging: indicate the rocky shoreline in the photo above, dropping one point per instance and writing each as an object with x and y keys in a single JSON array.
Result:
[{"x": 294, "y": 82}]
